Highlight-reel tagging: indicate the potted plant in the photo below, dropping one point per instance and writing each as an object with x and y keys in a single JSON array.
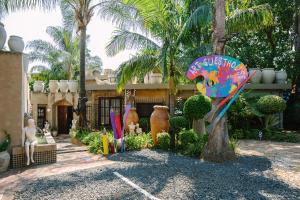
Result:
[
  {"x": 54, "y": 131},
  {"x": 4, "y": 155}
]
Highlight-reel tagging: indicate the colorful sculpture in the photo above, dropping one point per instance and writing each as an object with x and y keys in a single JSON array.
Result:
[{"x": 222, "y": 74}]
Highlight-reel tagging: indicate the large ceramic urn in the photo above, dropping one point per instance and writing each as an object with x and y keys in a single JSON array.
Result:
[
  {"x": 63, "y": 86},
  {"x": 53, "y": 86},
  {"x": 3, "y": 36},
  {"x": 38, "y": 86},
  {"x": 73, "y": 85},
  {"x": 156, "y": 78},
  {"x": 281, "y": 76},
  {"x": 132, "y": 118},
  {"x": 4, "y": 161},
  {"x": 159, "y": 121},
  {"x": 268, "y": 75},
  {"x": 257, "y": 77},
  {"x": 16, "y": 44}
]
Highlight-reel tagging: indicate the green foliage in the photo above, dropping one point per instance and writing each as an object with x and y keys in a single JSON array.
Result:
[
  {"x": 271, "y": 104},
  {"x": 81, "y": 134},
  {"x": 163, "y": 140},
  {"x": 197, "y": 106},
  {"x": 5, "y": 143},
  {"x": 144, "y": 123},
  {"x": 138, "y": 142},
  {"x": 233, "y": 142},
  {"x": 95, "y": 144},
  {"x": 178, "y": 123},
  {"x": 190, "y": 143}
]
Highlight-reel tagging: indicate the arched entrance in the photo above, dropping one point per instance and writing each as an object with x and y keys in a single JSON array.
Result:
[{"x": 64, "y": 116}]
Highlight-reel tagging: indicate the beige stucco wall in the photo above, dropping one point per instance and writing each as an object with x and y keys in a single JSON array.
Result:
[{"x": 11, "y": 96}]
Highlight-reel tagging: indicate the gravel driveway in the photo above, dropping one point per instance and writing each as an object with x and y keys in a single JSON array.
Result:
[{"x": 165, "y": 176}]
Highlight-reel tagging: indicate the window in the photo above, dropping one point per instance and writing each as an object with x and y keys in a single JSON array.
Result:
[{"x": 104, "y": 107}]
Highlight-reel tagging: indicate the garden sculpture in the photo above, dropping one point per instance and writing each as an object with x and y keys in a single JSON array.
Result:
[
  {"x": 29, "y": 139},
  {"x": 105, "y": 142},
  {"x": 223, "y": 76}
]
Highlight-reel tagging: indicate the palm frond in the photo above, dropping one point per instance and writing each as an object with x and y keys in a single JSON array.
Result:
[
  {"x": 13, "y": 5},
  {"x": 123, "y": 39},
  {"x": 41, "y": 46},
  {"x": 251, "y": 19}
]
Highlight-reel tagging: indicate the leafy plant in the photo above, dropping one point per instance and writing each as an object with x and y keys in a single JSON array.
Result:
[
  {"x": 138, "y": 142},
  {"x": 271, "y": 104},
  {"x": 6, "y": 142},
  {"x": 144, "y": 123},
  {"x": 163, "y": 140},
  {"x": 178, "y": 123},
  {"x": 197, "y": 106}
]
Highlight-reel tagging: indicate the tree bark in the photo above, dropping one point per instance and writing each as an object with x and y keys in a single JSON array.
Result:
[
  {"x": 199, "y": 126},
  {"x": 82, "y": 95},
  {"x": 217, "y": 148}
]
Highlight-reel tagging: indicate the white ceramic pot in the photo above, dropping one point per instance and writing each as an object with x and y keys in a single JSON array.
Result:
[
  {"x": 38, "y": 86},
  {"x": 4, "y": 161},
  {"x": 268, "y": 75},
  {"x": 53, "y": 86},
  {"x": 156, "y": 78},
  {"x": 281, "y": 76},
  {"x": 134, "y": 80},
  {"x": 3, "y": 36},
  {"x": 257, "y": 77},
  {"x": 63, "y": 86},
  {"x": 54, "y": 133},
  {"x": 73, "y": 85},
  {"x": 16, "y": 44},
  {"x": 25, "y": 62},
  {"x": 147, "y": 78}
]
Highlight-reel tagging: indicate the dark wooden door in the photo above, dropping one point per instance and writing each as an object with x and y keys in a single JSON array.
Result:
[
  {"x": 64, "y": 119},
  {"x": 41, "y": 116}
]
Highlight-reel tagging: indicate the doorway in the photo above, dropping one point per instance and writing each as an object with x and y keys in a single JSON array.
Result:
[{"x": 64, "y": 119}]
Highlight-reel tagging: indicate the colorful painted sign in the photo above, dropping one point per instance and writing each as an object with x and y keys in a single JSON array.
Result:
[{"x": 222, "y": 74}]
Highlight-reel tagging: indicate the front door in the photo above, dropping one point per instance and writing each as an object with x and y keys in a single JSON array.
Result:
[
  {"x": 64, "y": 119},
  {"x": 41, "y": 116}
]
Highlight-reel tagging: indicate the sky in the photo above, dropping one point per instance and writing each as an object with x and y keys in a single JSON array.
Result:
[{"x": 32, "y": 24}]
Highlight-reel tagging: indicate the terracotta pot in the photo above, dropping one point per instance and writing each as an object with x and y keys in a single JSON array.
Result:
[
  {"x": 268, "y": 75},
  {"x": 73, "y": 85},
  {"x": 156, "y": 78},
  {"x": 63, "y": 86},
  {"x": 38, "y": 86},
  {"x": 53, "y": 86},
  {"x": 257, "y": 77},
  {"x": 16, "y": 44},
  {"x": 281, "y": 76},
  {"x": 132, "y": 117},
  {"x": 159, "y": 121},
  {"x": 4, "y": 160},
  {"x": 3, "y": 36}
]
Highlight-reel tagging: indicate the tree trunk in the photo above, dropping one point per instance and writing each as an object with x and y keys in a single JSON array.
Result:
[
  {"x": 297, "y": 44},
  {"x": 199, "y": 126},
  {"x": 217, "y": 148},
  {"x": 172, "y": 98},
  {"x": 82, "y": 95}
]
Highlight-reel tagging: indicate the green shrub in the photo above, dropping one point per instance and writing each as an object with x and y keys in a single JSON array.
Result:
[
  {"x": 233, "y": 142},
  {"x": 271, "y": 104},
  {"x": 144, "y": 123},
  {"x": 79, "y": 135},
  {"x": 196, "y": 107},
  {"x": 87, "y": 139},
  {"x": 178, "y": 123},
  {"x": 138, "y": 142},
  {"x": 95, "y": 144},
  {"x": 163, "y": 140},
  {"x": 187, "y": 136}
]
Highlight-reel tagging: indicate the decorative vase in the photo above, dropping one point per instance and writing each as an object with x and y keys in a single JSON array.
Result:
[
  {"x": 3, "y": 36},
  {"x": 63, "y": 86},
  {"x": 257, "y": 77},
  {"x": 132, "y": 118},
  {"x": 281, "y": 76},
  {"x": 156, "y": 78},
  {"x": 53, "y": 86},
  {"x": 147, "y": 78},
  {"x": 268, "y": 75},
  {"x": 16, "y": 44},
  {"x": 38, "y": 86},
  {"x": 159, "y": 121},
  {"x": 4, "y": 161},
  {"x": 25, "y": 62},
  {"x": 73, "y": 85}
]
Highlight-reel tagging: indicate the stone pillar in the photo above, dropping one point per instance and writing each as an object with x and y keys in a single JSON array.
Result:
[{"x": 12, "y": 101}]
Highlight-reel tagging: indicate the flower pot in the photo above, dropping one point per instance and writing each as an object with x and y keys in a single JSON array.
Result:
[
  {"x": 268, "y": 75},
  {"x": 63, "y": 86},
  {"x": 257, "y": 77},
  {"x": 3, "y": 36},
  {"x": 156, "y": 78},
  {"x": 73, "y": 85},
  {"x": 38, "y": 86},
  {"x": 147, "y": 78},
  {"x": 159, "y": 121},
  {"x": 53, "y": 86},
  {"x": 281, "y": 76},
  {"x": 54, "y": 133},
  {"x": 132, "y": 117},
  {"x": 16, "y": 44},
  {"x": 4, "y": 161},
  {"x": 25, "y": 63}
]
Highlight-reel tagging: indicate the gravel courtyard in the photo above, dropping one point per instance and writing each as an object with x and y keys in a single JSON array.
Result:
[{"x": 165, "y": 176}]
